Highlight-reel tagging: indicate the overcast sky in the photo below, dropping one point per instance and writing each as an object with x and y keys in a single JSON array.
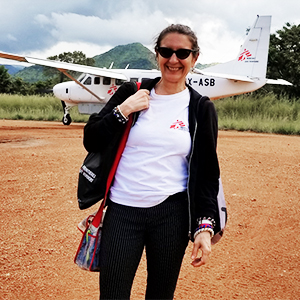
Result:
[{"x": 42, "y": 28}]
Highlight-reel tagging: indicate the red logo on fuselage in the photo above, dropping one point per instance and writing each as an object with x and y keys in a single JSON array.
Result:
[{"x": 112, "y": 90}]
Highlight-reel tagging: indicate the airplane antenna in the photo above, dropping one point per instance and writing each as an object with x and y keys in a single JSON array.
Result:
[
  {"x": 111, "y": 65},
  {"x": 127, "y": 67}
]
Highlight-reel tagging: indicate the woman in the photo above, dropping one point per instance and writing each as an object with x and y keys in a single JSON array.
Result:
[{"x": 166, "y": 185}]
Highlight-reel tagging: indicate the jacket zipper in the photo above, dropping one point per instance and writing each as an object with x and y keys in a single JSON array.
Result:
[{"x": 188, "y": 185}]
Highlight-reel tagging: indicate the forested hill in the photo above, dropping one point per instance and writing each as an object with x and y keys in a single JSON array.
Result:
[
  {"x": 13, "y": 69},
  {"x": 135, "y": 55}
]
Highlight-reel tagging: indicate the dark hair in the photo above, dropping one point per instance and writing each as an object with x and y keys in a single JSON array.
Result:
[{"x": 181, "y": 29}]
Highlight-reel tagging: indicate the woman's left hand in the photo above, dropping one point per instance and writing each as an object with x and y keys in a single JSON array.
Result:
[{"x": 202, "y": 242}]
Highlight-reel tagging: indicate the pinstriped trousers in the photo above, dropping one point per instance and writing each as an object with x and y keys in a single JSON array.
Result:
[{"x": 162, "y": 230}]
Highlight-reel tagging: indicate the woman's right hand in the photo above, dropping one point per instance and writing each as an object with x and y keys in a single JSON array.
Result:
[
  {"x": 202, "y": 242},
  {"x": 137, "y": 102}
]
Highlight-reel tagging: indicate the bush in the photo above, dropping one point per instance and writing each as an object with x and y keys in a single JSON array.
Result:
[
  {"x": 259, "y": 113},
  {"x": 40, "y": 108},
  {"x": 246, "y": 112}
]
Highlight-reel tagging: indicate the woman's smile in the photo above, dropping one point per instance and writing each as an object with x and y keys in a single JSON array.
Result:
[{"x": 173, "y": 69}]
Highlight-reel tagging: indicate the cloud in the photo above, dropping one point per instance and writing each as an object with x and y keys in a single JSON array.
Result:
[
  {"x": 70, "y": 27},
  {"x": 39, "y": 27},
  {"x": 12, "y": 38}
]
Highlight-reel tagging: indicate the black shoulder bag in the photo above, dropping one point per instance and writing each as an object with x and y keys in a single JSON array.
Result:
[{"x": 91, "y": 186}]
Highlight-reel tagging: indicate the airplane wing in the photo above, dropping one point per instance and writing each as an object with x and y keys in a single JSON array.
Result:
[
  {"x": 278, "y": 81},
  {"x": 222, "y": 75},
  {"x": 242, "y": 78},
  {"x": 63, "y": 67}
]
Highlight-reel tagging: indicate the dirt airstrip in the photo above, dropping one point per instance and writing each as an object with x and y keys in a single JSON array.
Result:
[{"x": 258, "y": 258}]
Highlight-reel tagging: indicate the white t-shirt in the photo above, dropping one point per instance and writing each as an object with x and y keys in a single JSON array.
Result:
[{"x": 154, "y": 163}]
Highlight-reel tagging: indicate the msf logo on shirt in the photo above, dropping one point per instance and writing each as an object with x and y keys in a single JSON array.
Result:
[{"x": 179, "y": 125}]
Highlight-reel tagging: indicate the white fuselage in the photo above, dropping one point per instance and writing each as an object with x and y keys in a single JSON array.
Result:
[{"x": 105, "y": 87}]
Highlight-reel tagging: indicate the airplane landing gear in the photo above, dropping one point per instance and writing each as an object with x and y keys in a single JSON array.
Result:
[{"x": 66, "y": 120}]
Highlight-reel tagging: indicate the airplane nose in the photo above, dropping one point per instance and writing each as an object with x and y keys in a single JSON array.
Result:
[{"x": 61, "y": 91}]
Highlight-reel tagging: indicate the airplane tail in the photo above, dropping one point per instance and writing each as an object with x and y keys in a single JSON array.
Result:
[{"x": 252, "y": 59}]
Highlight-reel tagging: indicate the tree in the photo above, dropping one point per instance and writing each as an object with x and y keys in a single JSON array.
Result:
[
  {"x": 5, "y": 80},
  {"x": 284, "y": 59},
  {"x": 43, "y": 87},
  {"x": 19, "y": 86},
  {"x": 76, "y": 57}
]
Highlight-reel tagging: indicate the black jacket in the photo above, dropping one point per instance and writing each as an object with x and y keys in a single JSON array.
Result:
[{"x": 103, "y": 132}]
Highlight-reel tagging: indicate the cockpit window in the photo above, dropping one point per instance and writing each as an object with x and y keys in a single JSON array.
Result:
[
  {"x": 119, "y": 81},
  {"x": 88, "y": 81},
  {"x": 81, "y": 77},
  {"x": 106, "y": 80},
  {"x": 97, "y": 80}
]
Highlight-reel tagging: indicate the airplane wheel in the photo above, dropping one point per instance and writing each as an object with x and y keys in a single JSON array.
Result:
[{"x": 66, "y": 119}]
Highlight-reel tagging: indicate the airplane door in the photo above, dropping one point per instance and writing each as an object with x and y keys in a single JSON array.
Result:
[{"x": 79, "y": 93}]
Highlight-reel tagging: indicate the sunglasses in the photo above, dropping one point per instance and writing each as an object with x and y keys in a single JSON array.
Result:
[{"x": 180, "y": 53}]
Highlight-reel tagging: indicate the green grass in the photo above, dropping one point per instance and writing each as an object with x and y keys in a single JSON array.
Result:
[
  {"x": 40, "y": 108},
  {"x": 259, "y": 114},
  {"x": 244, "y": 113}
]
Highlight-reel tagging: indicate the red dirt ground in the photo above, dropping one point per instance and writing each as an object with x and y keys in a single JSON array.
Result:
[{"x": 258, "y": 258}]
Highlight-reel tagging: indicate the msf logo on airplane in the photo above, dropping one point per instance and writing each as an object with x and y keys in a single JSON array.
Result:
[
  {"x": 112, "y": 90},
  {"x": 244, "y": 55}
]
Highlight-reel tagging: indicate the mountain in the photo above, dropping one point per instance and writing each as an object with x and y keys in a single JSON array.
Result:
[
  {"x": 13, "y": 69},
  {"x": 32, "y": 74},
  {"x": 135, "y": 55}
]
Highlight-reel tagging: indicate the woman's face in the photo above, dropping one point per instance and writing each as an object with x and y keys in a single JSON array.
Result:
[{"x": 173, "y": 69}]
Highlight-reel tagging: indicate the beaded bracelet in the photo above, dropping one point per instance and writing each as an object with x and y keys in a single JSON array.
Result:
[
  {"x": 205, "y": 220},
  {"x": 119, "y": 115},
  {"x": 204, "y": 227},
  {"x": 119, "y": 109}
]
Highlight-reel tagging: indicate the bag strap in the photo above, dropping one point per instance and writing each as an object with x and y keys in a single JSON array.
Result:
[
  {"x": 98, "y": 217},
  {"x": 120, "y": 149}
]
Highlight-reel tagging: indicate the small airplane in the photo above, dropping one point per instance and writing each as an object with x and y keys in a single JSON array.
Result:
[{"x": 95, "y": 86}]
